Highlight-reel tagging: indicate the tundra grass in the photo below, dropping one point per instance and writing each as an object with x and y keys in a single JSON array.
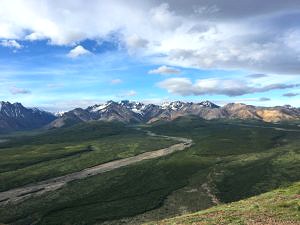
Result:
[{"x": 281, "y": 206}]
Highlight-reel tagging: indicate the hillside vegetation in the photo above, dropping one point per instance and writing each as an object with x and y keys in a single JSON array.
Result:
[{"x": 278, "y": 207}]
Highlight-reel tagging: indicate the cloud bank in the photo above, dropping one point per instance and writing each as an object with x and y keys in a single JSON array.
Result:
[
  {"x": 228, "y": 87},
  {"x": 193, "y": 33}
]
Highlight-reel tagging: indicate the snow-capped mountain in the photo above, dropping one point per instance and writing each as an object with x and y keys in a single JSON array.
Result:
[
  {"x": 175, "y": 106},
  {"x": 127, "y": 111},
  {"x": 208, "y": 104},
  {"x": 60, "y": 113},
  {"x": 124, "y": 111},
  {"x": 16, "y": 117}
]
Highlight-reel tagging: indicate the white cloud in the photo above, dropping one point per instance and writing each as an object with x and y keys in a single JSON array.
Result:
[
  {"x": 136, "y": 42},
  {"x": 59, "y": 105},
  {"x": 264, "y": 99},
  {"x": 182, "y": 86},
  {"x": 222, "y": 37},
  {"x": 35, "y": 36},
  {"x": 16, "y": 91},
  {"x": 10, "y": 44},
  {"x": 228, "y": 87},
  {"x": 116, "y": 81},
  {"x": 291, "y": 94},
  {"x": 125, "y": 94},
  {"x": 131, "y": 93},
  {"x": 164, "y": 70},
  {"x": 78, "y": 51},
  {"x": 163, "y": 18}
]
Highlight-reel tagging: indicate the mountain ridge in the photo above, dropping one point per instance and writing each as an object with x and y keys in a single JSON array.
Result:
[
  {"x": 14, "y": 116},
  {"x": 131, "y": 111}
]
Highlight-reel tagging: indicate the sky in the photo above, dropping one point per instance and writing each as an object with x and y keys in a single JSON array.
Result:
[{"x": 58, "y": 55}]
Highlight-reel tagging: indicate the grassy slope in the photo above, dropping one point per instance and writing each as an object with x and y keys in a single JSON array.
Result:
[
  {"x": 281, "y": 206},
  {"x": 226, "y": 156}
]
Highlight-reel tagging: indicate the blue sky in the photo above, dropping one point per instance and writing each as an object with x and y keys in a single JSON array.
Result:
[{"x": 60, "y": 55}]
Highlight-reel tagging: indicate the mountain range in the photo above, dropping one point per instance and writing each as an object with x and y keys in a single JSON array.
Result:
[
  {"x": 16, "y": 117},
  {"x": 127, "y": 111}
]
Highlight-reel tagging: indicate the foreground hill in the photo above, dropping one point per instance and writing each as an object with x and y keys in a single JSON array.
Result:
[{"x": 278, "y": 207}]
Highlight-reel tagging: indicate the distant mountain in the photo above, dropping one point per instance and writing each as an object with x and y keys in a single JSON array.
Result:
[
  {"x": 126, "y": 111},
  {"x": 14, "y": 117},
  {"x": 267, "y": 114}
]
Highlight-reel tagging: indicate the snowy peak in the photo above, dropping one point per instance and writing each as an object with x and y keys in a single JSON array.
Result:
[
  {"x": 208, "y": 104},
  {"x": 97, "y": 108},
  {"x": 59, "y": 113},
  {"x": 178, "y": 105},
  {"x": 135, "y": 107},
  {"x": 175, "y": 106}
]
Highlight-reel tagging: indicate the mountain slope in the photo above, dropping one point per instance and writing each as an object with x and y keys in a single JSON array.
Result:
[
  {"x": 277, "y": 207},
  {"x": 267, "y": 114},
  {"x": 16, "y": 117}
]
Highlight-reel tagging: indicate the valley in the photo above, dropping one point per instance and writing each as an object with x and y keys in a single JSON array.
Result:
[
  {"x": 229, "y": 160},
  {"x": 16, "y": 195}
]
